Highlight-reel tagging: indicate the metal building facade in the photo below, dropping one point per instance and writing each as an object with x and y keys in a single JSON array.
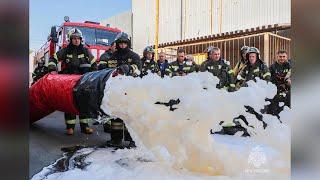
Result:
[
  {"x": 122, "y": 21},
  {"x": 184, "y": 19}
]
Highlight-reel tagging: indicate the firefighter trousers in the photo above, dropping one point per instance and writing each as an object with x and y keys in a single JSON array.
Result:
[
  {"x": 70, "y": 120},
  {"x": 119, "y": 131}
]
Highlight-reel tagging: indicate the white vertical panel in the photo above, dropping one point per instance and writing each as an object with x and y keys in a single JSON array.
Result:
[
  {"x": 169, "y": 20},
  {"x": 122, "y": 21},
  {"x": 143, "y": 12},
  {"x": 196, "y": 17}
]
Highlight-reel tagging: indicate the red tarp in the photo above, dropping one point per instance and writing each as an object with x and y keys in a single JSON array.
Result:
[{"x": 50, "y": 93}]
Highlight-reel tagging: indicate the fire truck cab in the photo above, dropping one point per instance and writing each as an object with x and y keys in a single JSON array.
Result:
[{"x": 97, "y": 39}]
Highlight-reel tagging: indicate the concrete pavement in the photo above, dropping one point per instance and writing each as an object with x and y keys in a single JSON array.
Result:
[{"x": 47, "y": 137}]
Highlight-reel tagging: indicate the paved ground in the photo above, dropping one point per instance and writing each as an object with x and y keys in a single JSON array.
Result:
[{"x": 46, "y": 138}]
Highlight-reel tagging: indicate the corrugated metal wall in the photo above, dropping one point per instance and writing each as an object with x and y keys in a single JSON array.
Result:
[
  {"x": 183, "y": 19},
  {"x": 143, "y": 12},
  {"x": 205, "y": 17}
]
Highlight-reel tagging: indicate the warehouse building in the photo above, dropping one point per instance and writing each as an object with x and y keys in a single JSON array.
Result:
[{"x": 195, "y": 25}]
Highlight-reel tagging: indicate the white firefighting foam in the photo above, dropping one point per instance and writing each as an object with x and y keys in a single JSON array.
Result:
[
  {"x": 177, "y": 144},
  {"x": 181, "y": 137}
]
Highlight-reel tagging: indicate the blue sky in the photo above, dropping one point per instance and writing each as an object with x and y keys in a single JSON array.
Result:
[{"x": 44, "y": 13}]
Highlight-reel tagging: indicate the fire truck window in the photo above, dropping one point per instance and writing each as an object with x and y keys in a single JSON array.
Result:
[
  {"x": 60, "y": 38},
  {"x": 59, "y": 44},
  {"x": 105, "y": 37},
  {"x": 88, "y": 35},
  {"x": 95, "y": 36}
]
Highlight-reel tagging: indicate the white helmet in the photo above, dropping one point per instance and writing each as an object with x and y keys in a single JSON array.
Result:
[{"x": 74, "y": 32}]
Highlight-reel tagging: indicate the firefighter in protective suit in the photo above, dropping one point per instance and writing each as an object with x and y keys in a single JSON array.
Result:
[
  {"x": 242, "y": 62},
  {"x": 75, "y": 59},
  {"x": 105, "y": 57},
  {"x": 130, "y": 64},
  {"x": 220, "y": 68},
  {"x": 148, "y": 63},
  {"x": 39, "y": 71},
  {"x": 180, "y": 67},
  {"x": 255, "y": 67},
  {"x": 281, "y": 77}
]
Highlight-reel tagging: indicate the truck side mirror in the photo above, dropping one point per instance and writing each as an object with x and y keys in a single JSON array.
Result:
[{"x": 53, "y": 34}]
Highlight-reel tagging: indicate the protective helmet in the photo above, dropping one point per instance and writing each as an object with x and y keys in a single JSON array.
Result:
[
  {"x": 123, "y": 38},
  {"x": 74, "y": 32},
  {"x": 148, "y": 49},
  {"x": 244, "y": 49},
  {"x": 253, "y": 50}
]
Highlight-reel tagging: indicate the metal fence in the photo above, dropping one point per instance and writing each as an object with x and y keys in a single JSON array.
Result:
[{"x": 268, "y": 43}]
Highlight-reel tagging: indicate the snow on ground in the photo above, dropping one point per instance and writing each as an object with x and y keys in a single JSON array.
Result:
[{"x": 176, "y": 144}]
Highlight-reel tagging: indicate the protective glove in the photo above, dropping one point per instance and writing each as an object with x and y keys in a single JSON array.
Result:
[{"x": 124, "y": 69}]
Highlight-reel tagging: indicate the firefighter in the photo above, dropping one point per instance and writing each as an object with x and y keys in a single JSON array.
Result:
[
  {"x": 148, "y": 63},
  {"x": 255, "y": 67},
  {"x": 124, "y": 58},
  {"x": 76, "y": 59},
  {"x": 39, "y": 71},
  {"x": 242, "y": 62},
  {"x": 130, "y": 64},
  {"x": 106, "y": 56},
  {"x": 281, "y": 71},
  {"x": 180, "y": 66},
  {"x": 163, "y": 65},
  {"x": 281, "y": 77},
  {"x": 220, "y": 68}
]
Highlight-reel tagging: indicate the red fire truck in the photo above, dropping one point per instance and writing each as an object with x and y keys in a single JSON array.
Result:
[{"x": 97, "y": 39}]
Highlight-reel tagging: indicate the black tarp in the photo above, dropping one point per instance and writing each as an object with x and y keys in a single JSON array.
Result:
[{"x": 89, "y": 91}]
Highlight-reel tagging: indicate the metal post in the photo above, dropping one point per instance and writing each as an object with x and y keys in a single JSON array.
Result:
[
  {"x": 157, "y": 30},
  {"x": 211, "y": 16},
  {"x": 220, "y": 16},
  {"x": 266, "y": 48},
  {"x": 182, "y": 20}
]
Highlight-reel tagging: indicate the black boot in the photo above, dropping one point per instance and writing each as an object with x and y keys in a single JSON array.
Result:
[
  {"x": 128, "y": 138},
  {"x": 85, "y": 128},
  {"x": 116, "y": 138}
]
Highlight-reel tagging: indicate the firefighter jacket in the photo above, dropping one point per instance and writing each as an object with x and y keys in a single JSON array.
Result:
[
  {"x": 103, "y": 60},
  {"x": 239, "y": 67},
  {"x": 126, "y": 57},
  {"x": 74, "y": 60},
  {"x": 149, "y": 65},
  {"x": 280, "y": 73},
  {"x": 222, "y": 70},
  {"x": 178, "y": 69},
  {"x": 251, "y": 71}
]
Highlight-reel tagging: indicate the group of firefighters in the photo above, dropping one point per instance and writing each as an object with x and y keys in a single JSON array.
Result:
[{"x": 76, "y": 59}]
